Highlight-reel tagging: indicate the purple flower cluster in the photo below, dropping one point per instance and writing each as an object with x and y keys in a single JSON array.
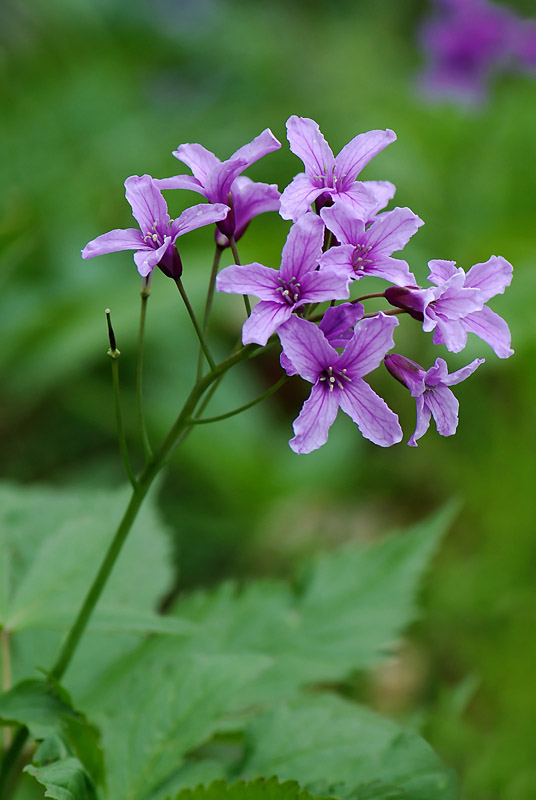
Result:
[
  {"x": 339, "y": 235},
  {"x": 467, "y": 42}
]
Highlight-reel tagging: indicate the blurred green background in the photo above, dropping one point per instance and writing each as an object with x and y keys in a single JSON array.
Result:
[{"x": 95, "y": 90}]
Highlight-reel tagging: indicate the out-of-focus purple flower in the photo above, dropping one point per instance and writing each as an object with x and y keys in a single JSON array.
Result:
[
  {"x": 456, "y": 305},
  {"x": 249, "y": 199},
  {"x": 155, "y": 240},
  {"x": 366, "y": 252},
  {"x": 283, "y": 291},
  {"x": 214, "y": 179},
  {"x": 328, "y": 179},
  {"x": 430, "y": 390},
  {"x": 337, "y": 381},
  {"x": 467, "y": 41}
]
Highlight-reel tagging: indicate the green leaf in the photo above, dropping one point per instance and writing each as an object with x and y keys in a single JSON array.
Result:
[
  {"x": 327, "y": 739},
  {"x": 46, "y": 710},
  {"x": 261, "y": 789},
  {"x": 65, "y": 779},
  {"x": 350, "y": 609}
]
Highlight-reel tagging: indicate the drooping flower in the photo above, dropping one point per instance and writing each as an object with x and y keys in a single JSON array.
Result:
[
  {"x": 467, "y": 42},
  {"x": 214, "y": 179},
  {"x": 456, "y": 305},
  {"x": 368, "y": 251},
  {"x": 338, "y": 381},
  {"x": 330, "y": 179},
  {"x": 155, "y": 240},
  {"x": 430, "y": 390},
  {"x": 283, "y": 291}
]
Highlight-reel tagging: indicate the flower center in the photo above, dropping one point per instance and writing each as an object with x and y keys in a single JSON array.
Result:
[
  {"x": 359, "y": 262},
  {"x": 152, "y": 237},
  {"x": 290, "y": 290},
  {"x": 334, "y": 377}
]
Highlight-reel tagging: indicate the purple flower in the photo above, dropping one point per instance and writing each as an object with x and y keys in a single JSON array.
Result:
[
  {"x": 155, "y": 241},
  {"x": 214, "y": 179},
  {"x": 249, "y": 199},
  {"x": 328, "y": 179},
  {"x": 430, "y": 389},
  {"x": 466, "y": 43},
  {"x": 455, "y": 306},
  {"x": 283, "y": 291},
  {"x": 367, "y": 251},
  {"x": 337, "y": 381}
]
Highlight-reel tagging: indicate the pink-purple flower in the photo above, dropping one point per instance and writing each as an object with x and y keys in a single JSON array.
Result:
[
  {"x": 367, "y": 251},
  {"x": 330, "y": 179},
  {"x": 455, "y": 306},
  {"x": 283, "y": 291},
  {"x": 338, "y": 381},
  {"x": 155, "y": 240},
  {"x": 431, "y": 392},
  {"x": 218, "y": 180}
]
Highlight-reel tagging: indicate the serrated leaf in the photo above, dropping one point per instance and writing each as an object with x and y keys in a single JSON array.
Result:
[
  {"x": 260, "y": 789},
  {"x": 65, "y": 779},
  {"x": 328, "y": 739},
  {"x": 352, "y": 606}
]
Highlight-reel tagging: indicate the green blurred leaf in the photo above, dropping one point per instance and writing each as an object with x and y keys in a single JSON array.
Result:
[
  {"x": 325, "y": 738},
  {"x": 65, "y": 779},
  {"x": 261, "y": 789}
]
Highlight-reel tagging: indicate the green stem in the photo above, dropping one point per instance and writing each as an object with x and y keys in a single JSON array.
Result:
[
  {"x": 208, "y": 304},
  {"x": 195, "y": 323},
  {"x": 119, "y": 424},
  {"x": 139, "y": 370},
  {"x": 368, "y": 296},
  {"x": 10, "y": 761},
  {"x": 232, "y": 244},
  {"x": 263, "y": 396},
  {"x": 391, "y": 312}
]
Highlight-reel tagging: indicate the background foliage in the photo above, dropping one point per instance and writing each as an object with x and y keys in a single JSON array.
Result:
[{"x": 92, "y": 92}]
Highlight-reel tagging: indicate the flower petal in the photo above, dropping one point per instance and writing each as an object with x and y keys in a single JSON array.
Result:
[
  {"x": 303, "y": 247},
  {"x": 308, "y": 143},
  {"x": 383, "y": 191},
  {"x": 366, "y": 350},
  {"x": 423, "y": 421},
  {"x": 266, "y": 317},
  {"x": 147, "y": 201},
  {"x": 461, "y": 374},
  {"x": 261, "y": 145},
  {"x": 492, "y": 328},
  {"x": 441, "y": 271},
  {"x": 253, "y": 279},
  {"x": 197, "y": 216},
  {"x": 312, "y": 426},
  {"x": 326, "y": 284},
  {"x": 371, "y": 413},
  {"x": 491, "y": 277},
  {"x": 251, "y": 198},
  {"x": 358, "y": 199},
  {"x": 147, "y": 260},
  {"x": 298, "y": 196},
  {"x": 452, "y": 333},
  {"x": 113, "y": 241},
  {"x": 306, "y": 347},
  {"x": 180, "y": 182},
  {"x": 444, "y": 407},
  {"x": 394, "y": 270},
  {"x": 200, "y": 160},
  {"x": 339, "y": 259},
  {"x": 344, "y": 223},
  {"x": 337, "y": 320},
  {"x": 218, "y": 183},
  {"x": 357, "y": 154},
  {"x": 392, "y": 231}
]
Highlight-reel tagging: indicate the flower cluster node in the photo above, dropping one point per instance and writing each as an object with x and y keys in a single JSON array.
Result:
[{"x": 340, "y": 234}]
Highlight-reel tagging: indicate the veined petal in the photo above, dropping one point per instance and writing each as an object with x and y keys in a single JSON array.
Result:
[
  {"x": 261, "y": 145},
  {"x": 147, "y": 202},
  {"x": 450, "y": 332},
  {"x": 298, "y": 196},
  {"x": 358, "y": 199},
  {"x": 180, "y": 182},
  {"x": 312, "y": 426},
  {"x": 372, "y": 339},
  {"x": 394, "y": 270},
  {"x": 147, "y": 260},
  {"x": 200, "y": 160},
  {"x": 423, "y": 421},
  {"x": 461, "y": 374},
  {"x": 383, "y": 191},
  {"x": 491, "y": 277},
  {"x": 492, "y": 328},
  {"x": 113, "y": 241},
  {"x": 370, "y": 412},
  {"x": 266, "y": 317},
  {"x": 197, "y": 216},
  {"x": 303, "y": 247},
  {"x": 344, "y": 223},
  {"x": 444, "y": 407},
  {"x": 338, "y": 320},
  {"x": 339, "y": 259},
  {"x": 251, "y": 198},
  {"x": 326, "y": 284},
  {"x": 408, "y": 372},
  {"x": 441, "y": 271},
  {"x": 306, "y": 347},
  {"x": 392, "y": 231},
  {"x": 253, "y": 279},
  {"x": 308, "y": 143},
  {"x": 357, "y": 154},
  {"x": 218, "y": 183},
  {"x": 455, "y": 302}
]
